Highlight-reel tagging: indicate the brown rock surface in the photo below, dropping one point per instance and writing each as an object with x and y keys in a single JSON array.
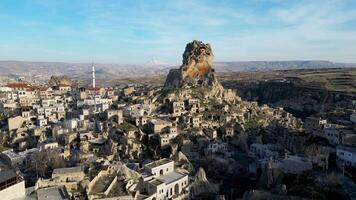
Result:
[
  {"x": 60, "y": 80},
  {"x": 197, "y": 59},
  {"x": 196, "y": 70}
]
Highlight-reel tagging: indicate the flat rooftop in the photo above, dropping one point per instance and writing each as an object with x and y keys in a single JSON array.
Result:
[
  {"x": 10, "y": 153},
  {"x": 68, "y": 170},
  {"x": 53, "y": 193},
  {"x": 160, "y": 122},
  {"x": 156, "y": 182},
  {"x": 6, "y": 175},
  {"x": 158, "y": 163},
  {"x": 347, "y": 148},
  {"x": 171, "y": 177}
]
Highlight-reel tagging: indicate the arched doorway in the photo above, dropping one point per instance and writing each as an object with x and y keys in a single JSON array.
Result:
[{"x": 161, "y": 172}]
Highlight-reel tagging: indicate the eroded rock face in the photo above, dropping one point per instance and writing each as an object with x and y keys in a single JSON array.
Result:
[
  {"x": 197, "y": 60},
  {"x": 196, "y": 69},
  {"x": 183, "y": 162},
  {"x": 201, "y": 185},
  {"x": 60, "y": 80}
]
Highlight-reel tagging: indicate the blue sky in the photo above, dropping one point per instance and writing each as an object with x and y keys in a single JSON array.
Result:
[{"x": 134, "y": 32}]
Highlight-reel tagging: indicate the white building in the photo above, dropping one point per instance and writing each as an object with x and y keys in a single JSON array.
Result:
[
  {"x": 49, "y": 145},
  {"x": 161, "y": 181},
  {"x": 134, "y": 111},
  {"x": 70, "y": 124},
  {"x": 295, "y": 165},
  {"x": 15, "y": 159},
  {"x": 41, "y": 121},
  {"x": 332, "y": 134},
  {"x": 215, "y": 147},
  {"x": 346, "y": 155},
  {"x": 263, "y": 150},
  {"x": 353, "y": 117},
  {"x": 12, "y": 185}
]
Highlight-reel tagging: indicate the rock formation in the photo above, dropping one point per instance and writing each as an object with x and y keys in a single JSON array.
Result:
[
  {"x": 196, "y": 69},
  {"x": 124, "y": 172},
  {"x": 197, "y": 60},
  {"x": 201, "y": 185},
  {"x": 270, "y": 177},
  {"x": 183, "y": 162},
  {"x": 60, "y": 80}
]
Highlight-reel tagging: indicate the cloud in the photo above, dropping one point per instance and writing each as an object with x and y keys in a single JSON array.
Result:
[{"x": 238, "y": 30}]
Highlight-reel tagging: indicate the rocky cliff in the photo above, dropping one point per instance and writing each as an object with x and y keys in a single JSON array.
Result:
[
  {"x": 201, "y": 185},
  {"x": 60, "y": 80},
  {"x": 183, "y": 162},
  {"x": 196, "y": 69}
]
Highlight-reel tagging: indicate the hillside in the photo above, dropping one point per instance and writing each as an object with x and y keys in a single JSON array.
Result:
[{"x": 118, "y": 71}]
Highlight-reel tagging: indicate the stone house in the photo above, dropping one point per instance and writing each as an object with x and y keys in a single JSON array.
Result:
[
  {"x": 159, "y": 125},
  {"x": 295, "y": 164},
  {"x": 196, "y": 121},
  {"x": 68, "y": 177},
  {"x": 128, "y": 90},
  {"x": 64, "y": 88},
  {"x": 314, "y": 125},
  {"x": 165, "y": 138},
  {"x": 216, "y": 147},
  {"x": 211, "y": 133},
  {"x": 263, "y": 151},
  {"x": 177, "y": 108},
  {"x": 68, "y": 174},
  {"x": 115, "y": 114},
  {"x": 141, "y": 121},
  {"x": 15, "y": 122},
  {"x": 229, "y": 132}
]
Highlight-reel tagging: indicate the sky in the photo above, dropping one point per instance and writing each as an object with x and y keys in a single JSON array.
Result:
[{"x": 137, "y": 31}]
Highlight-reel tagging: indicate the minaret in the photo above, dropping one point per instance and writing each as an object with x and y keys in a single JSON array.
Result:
[
  {"x": 93, "y": 71},
  {"x": 94, "y": 91}
]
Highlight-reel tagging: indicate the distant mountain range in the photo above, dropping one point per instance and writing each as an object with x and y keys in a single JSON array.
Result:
[
  {"x": 116, "y": 71},
  {"x": 278, "y": 65}
]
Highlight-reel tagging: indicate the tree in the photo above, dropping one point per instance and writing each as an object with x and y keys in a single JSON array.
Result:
[{"x": 46, "y": 160}]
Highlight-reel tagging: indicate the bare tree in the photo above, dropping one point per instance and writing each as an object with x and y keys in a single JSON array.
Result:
[{"x": 46, "y": 160}]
